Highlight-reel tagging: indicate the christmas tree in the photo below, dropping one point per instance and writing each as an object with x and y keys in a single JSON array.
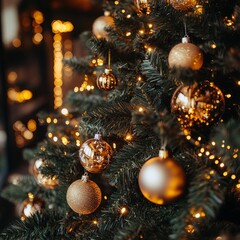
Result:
[{"x": 154, "y": 152}]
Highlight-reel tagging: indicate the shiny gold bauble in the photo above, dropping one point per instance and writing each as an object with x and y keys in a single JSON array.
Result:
[
  {"x": 198, "y": 104},
  {"x": 161, "y": 179},
  {"x": 143, "y": 7},
  {"x": 95, "y": 154},
  {"x": 100, "y": 25},
  {"x": 84, "y": 196},
  {"x": 186, "y": 55},
  {"x": 106, "y": 81},
  {"x": 183, "y": 5},
  {"x": 30, "y": 206},
  {"x": 43, "y": 181}
]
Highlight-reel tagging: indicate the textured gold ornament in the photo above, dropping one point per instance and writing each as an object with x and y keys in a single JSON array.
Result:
[
  {"x": 84, "y": 196},
  {"x": 183, "y": 5},
  {"x": 100, "y": 25},
  {"x": 186, "y": 55},
  {"x": 30, "y": 206},
  {"x": 198, "y": 104},
  {"x": 95, "y": 154},
  {"x": 44, "y": 181},
  {"x": 143, "y": 7},
  {"x": 161, "y": 179},
  {"x": 106, "y": 81}
]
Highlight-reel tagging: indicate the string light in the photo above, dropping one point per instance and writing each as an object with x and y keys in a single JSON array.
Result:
[
  {"x": 38, "y": 19},
  {"x": 105, "y": 197},
  {"x": 128, "y": 137},
  {"x": 123, "y": 210},
  {"x": 64, "y": 111},
  {"x": 190, "y": 228},
  {"x": 95, "y": 222}
]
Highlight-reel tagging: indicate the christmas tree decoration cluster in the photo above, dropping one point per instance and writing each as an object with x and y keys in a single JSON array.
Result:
[{"x": 153, "y": 152}]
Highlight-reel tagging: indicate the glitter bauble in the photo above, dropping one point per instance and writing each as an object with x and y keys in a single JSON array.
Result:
[
  {"x": 95, "y": 154},
  {"x": 42, "y": 180},
  {"x": 198, "y": 104},
  {"x": 84, "y": 196},
  {"x": 30, "y": 206},
  {"x": 106, "y": 81},
  {"x": 183, "y": 5},
  {"x": 161, "y": 179},
  {"x": 100, "y": 25},
  {"x": 185, "y": 55}
]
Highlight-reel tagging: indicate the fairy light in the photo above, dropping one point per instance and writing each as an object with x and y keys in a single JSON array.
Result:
[
  {"x": 128, "y": 34},
  {"x": 58, "y": 27},
  {"x": 128, "y": 137},
  {"x": 38, "y": 19},
  {"x": 213, "y": 46},
  {"x": 216, "y": 162},
  {"x": 190, "y": 228},
  {"x": 19, "y": 96},
  {"x": 95, "y": 222},
  {"x": 114, "y": 145},
  {"x": 50, "y": 135},
  {"x": 123, "y": 210},
  {"x": 75, "y": 89},
  {"x": 64, "y": 141},
  {"x": 228, "y": 95},
  {"x": 128, "y": 16},
  {"x": 225, "y": 174},
  {"x": 141, "y": 31},
  {"x": 67, "y": 122},
  {"x": 55, "y": 139},
  {"x": 238, "y": 82},
  {"x": 238, "y": 186},
  {"x": 55, "y": 120},
  {"x": 213, "y": 143},
  {"x": 48, "y": 120},
  {"x": 105, "y": 197},
  {"x": 233, "y": 177},
  {"x": 64, "y": 111},
  {"x": 221, "y": 165},
  {"x": 123, "y": 10},
  {"x": 116, "y": 2},
  {"x": 78, "y": 143},
  {"x": 140, "y": 109}
]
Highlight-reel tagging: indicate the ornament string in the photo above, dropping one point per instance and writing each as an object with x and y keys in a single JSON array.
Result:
[
  {"x": 109, "y": 59},
  {"x": 185, "y": 28}
]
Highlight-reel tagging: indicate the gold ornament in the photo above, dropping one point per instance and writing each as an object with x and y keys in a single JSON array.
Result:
[
  {"x": 95, "y": 154},
  {"x": 161, "y": 179},
  {"x": 84, "y": 196},
  {"x": 30, "y": 206},
  {"x": 107, "y": 81},
  {"x": 143, "y": 7},
  {"x": 185, "y": 55},
  {"x": 43, "y": 181},
  {"x": 198, "y": 104},
  {"x": 183, "y": 5},
  {"x": 100, "y": 25}
]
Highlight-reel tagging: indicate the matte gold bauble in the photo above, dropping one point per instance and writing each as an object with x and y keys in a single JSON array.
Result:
[
  {"x": 106, "y": 81},
  {"x": 183, "y": 5},
  {"x": 43, "y": 181},
  {"x": 198, "y": 104},
  {"x": 186, "y": 55},
  {"x": 30, "y": 206},
  {"x": 95, "y": 154},
  {"x": 161, "y": 179},
  {"x": 100, "y": 25},
  {"x": 84, "y": 196}
]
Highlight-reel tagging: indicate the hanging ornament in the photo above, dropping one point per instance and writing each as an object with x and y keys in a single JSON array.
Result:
[
  {"x": 95, "y": 154},
  {"x": 183, "y": 5},
  {"x": 143, "y": 7},
  {"x": 198, "y": 104},
  {"x": 84, "y": 196},
  {"x": 30, "y": 206},
  {"x": 186, "y": 55},
  {"x": 107, "y": 80},
  {"x": 161, "y": 179},
  {"x": 43, "y": 181},
  {"x": 100, "y": 25}
]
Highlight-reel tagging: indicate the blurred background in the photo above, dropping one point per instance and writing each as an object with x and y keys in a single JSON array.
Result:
[{"x": 35, "y": 36}]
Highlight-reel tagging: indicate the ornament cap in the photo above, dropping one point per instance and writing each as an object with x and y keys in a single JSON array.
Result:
[
  {"x": 163, "y": 153},
  {"x": 107, "y": 70},
  {"x": 106, "y": 13},
  {"x": 98, "y": 136},
  {"x": 186, "y": 39},
  {"x": 85, "y": 177}
]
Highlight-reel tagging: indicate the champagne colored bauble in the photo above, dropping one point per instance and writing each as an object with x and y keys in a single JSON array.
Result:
[
  {"x": 43, "y": 181},
  {"x": 95, "y": 154},
  {"x": 183, "y": 5},
  {"x": 84, "y": 196},
  {"x": 30, "y": 206},
  {"x": 186, "y": 55},
  {"x": 106, "y": 81},
  {"x": 100, "y": 25},
  {"x": 161, "y": 179},
  {"x": 198, "y": 104}
]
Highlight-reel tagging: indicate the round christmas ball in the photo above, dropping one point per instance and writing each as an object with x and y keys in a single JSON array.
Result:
[
  {"x": 106, "y": 81},
  {"x": 185, "y": 55},
  {"x": 161, "y": 179},
  {"x": 42, "y": 180},
  {"x": 95, "y": 154},
  {"x": 183, "y": 5},
  {"x": 100, "y": 25},
  {"x": 198, "y": 104},
  {"x": 30, "y": 206},
  {"x": 84, "y": 196}
]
